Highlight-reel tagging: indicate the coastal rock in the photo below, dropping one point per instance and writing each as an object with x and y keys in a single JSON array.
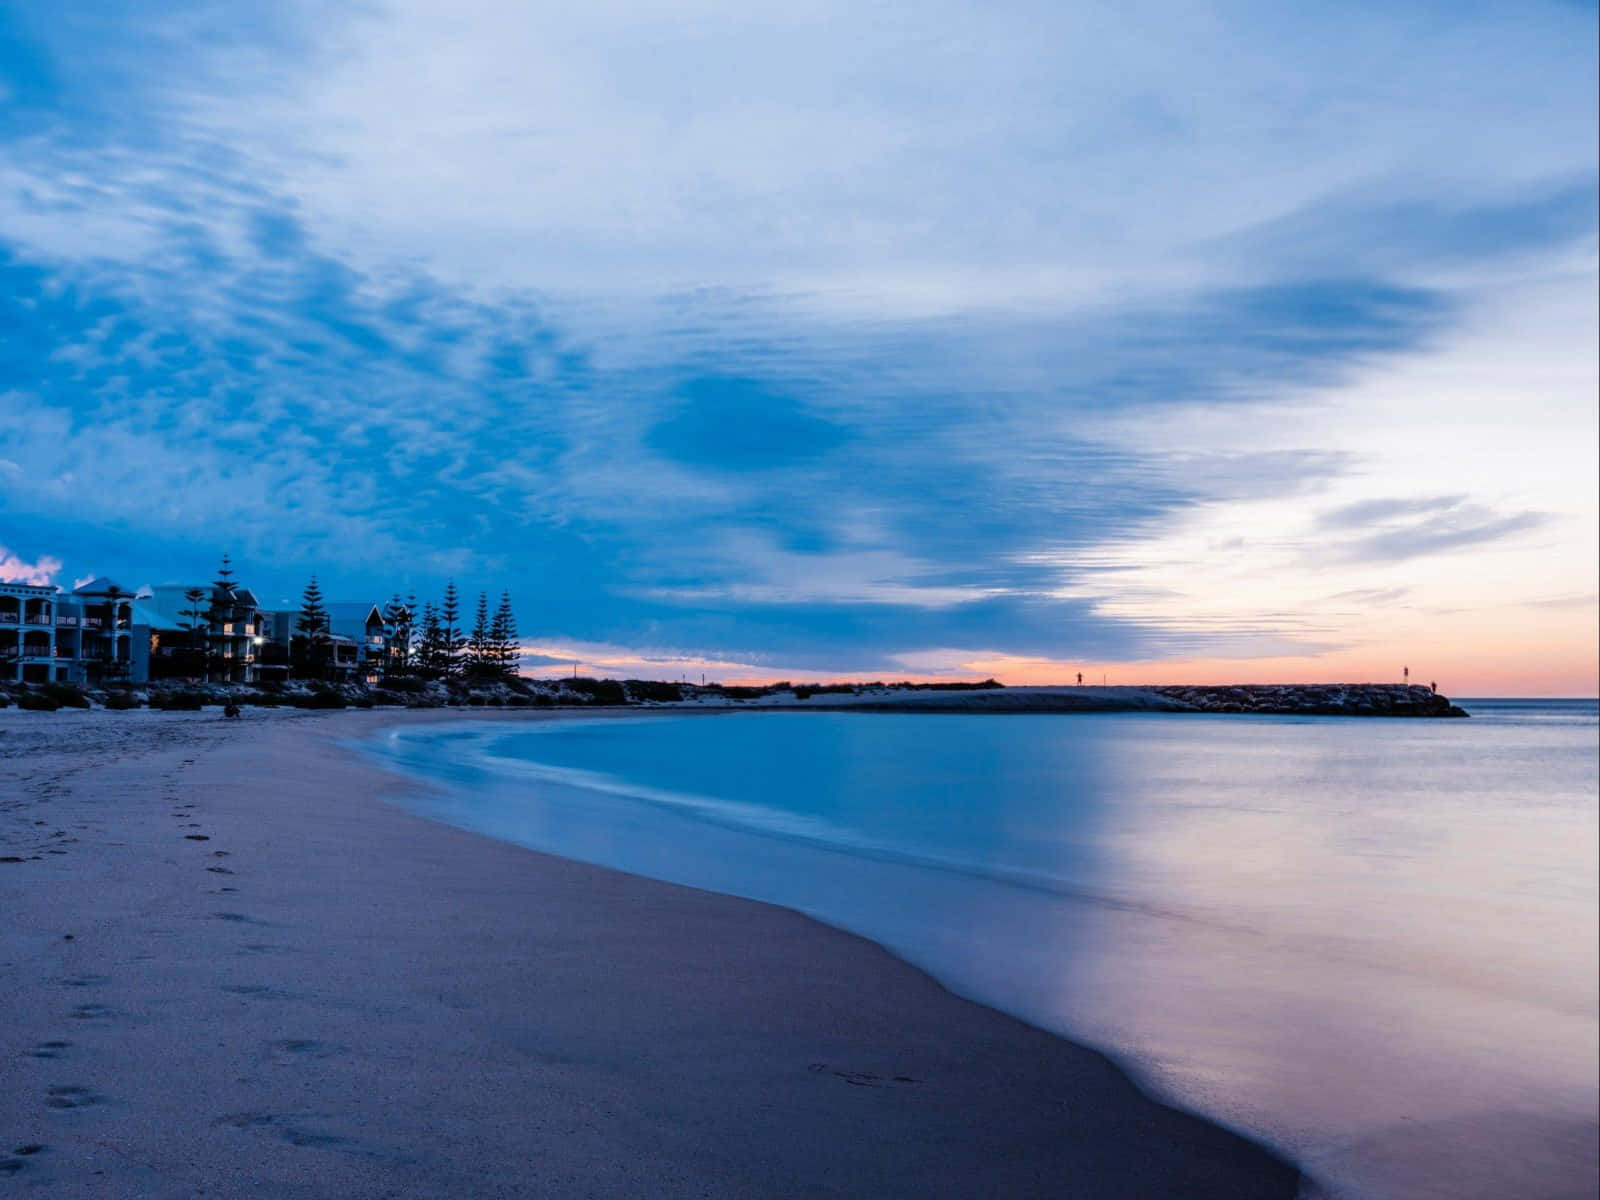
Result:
[{"x": 1332, "y": 700}]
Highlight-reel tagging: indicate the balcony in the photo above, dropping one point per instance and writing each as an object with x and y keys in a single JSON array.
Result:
[{"x": 34, "y": 618}]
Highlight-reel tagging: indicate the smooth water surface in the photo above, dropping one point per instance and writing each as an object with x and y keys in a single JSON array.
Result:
[{"x": 1370, "y": 942}]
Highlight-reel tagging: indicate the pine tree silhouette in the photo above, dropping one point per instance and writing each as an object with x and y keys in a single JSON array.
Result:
[
  {"x": 314, "y": 641},
  {"x": 503, "y": 639},
  {"x": 450, "y": 628}
]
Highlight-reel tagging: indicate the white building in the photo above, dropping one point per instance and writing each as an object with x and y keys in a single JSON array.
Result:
[{"x": 88, "y": 635}]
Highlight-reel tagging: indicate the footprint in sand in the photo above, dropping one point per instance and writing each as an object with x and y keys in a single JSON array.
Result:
[
  {"x": 195, "y": 837},
  {"x": 91, "y": 1012},
  {"x": 303, "y": 1048},
  {"x": 71, "y": 1096},
  {"x": 48, "y": 1050},
  {"x": 18, "y": 1158},
  {"x": 295, "y": 1134},
  {"x": 859, "y": 1078},
  {"x": 86, "y": 981},
  {"x": 257, "y": 991}
]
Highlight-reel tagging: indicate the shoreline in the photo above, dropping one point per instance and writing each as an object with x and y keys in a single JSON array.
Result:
[
  {"x": 277, "y": 981},
  {"x": 1369, "y": 700}
]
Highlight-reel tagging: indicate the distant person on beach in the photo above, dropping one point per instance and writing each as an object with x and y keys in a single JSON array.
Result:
[
  {"x": 230, "y": 710},
  {"x": 1433, "y": 687},
  {"x": 1080, "y": 678}
]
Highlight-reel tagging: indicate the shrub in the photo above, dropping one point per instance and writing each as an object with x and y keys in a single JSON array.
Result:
[
  {"x": 384, "y": 696},
  {"x": 66, "y": 695},
  {"x": 598, "y": 691},
  {"x": 179, "y": 701},
  {"x": 320, "y": 700},
  {"x": 650, "y": 689},
  {"x": 121, "y": 701},
  {"x": 405, "y": 684},
  {"x": 519, "y": 701},
  {"x": 4, "y": 700},
  {"x": 36, "y": 702},
  {"x": 476, "y": 699}
]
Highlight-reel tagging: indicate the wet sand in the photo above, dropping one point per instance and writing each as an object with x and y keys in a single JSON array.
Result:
[{"x": 229, "y": 968}]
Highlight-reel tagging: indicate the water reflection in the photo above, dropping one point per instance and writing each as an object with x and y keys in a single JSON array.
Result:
[{"x": 1372, "y": 942}]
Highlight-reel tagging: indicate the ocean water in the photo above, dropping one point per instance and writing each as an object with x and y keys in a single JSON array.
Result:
[{"x": 1370, "y": 943}]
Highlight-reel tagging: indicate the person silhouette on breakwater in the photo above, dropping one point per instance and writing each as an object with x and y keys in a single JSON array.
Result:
[{"x": 1080, "y": 678}]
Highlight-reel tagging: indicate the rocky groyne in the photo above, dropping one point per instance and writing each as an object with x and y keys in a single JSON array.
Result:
[
  {"x": 1309, "y": 699},
  {"x": 1317, "y": 699}
]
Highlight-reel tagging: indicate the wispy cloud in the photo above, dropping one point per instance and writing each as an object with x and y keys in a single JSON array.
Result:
[
  {"x": 755, "y": 334},
  {"x": 1395, "y": 530}
]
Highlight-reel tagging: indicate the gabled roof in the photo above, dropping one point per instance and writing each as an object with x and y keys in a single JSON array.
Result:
[
  {"x": 98, "y": 585},
  {"x": 144, "y": 614}
]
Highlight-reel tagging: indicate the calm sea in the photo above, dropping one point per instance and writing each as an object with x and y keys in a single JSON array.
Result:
[{"x": 1371, "y": 943}]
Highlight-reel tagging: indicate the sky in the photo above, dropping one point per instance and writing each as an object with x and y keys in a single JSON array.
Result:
[{"x": 1160, "y": 341}]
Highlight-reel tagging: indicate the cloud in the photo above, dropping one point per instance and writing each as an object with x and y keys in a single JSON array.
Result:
[
  {"x": 41, "y": 572},
  {"x": 1455, "y": 527},
  {"x": 1367, "y": 512},
  {"x": 757, "y": 332}
]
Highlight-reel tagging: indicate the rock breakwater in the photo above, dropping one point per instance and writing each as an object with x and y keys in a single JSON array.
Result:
[{"x": 1317, "y": 699}]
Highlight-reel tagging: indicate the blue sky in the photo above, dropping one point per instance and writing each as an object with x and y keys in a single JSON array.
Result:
[{"x": 825, "y": 338}]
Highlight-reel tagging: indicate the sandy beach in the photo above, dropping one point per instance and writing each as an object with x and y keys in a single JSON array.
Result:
[{"x": 231, "y": 969}]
